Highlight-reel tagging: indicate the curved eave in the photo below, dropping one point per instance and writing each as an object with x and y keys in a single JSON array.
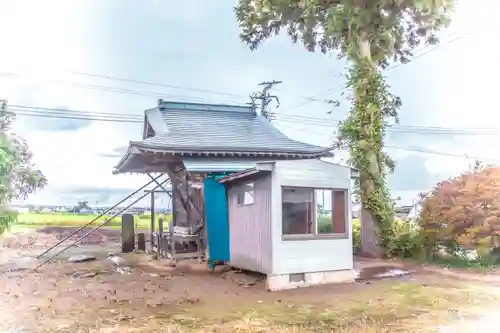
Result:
[
  {"x": 136, "y": 148},
  {"x": 322, "y": 152},
  {"x": 123, "y": 160}
]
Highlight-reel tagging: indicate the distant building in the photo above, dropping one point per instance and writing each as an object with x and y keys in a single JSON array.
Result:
[
  {"x": 401, "y": 212},
  {"x": 415, "y": 210}
]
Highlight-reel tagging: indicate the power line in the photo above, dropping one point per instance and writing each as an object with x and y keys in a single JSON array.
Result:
[
  {"x": 331, "y": 91},
  {"x": 426, "y": 151},
  {"x": 156, "y": 94},
  {"x": 117, "y": 89},
  {"x": 115, "y": 78},
  {"x": 323, "y": 122},
  {"x": 81, "y": 115},
  {"x": 120, "y": 117},
  {"x": 71, "y": 112},
  {"x": 419, "y": 150},
  {"x": 150, "y": 93},
  {"x": 76, "y": 117}
]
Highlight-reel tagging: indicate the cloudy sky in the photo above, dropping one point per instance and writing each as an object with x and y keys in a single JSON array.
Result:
[{"x": 193, "y": 45}]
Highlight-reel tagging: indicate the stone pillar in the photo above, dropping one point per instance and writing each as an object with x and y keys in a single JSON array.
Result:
[
  {"x": 141, "y": 241},
  {"x": 128, "y": 233},
  {"x": 370, "y": 246}
]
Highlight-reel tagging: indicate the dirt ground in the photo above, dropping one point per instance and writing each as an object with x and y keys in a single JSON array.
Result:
[{"x": 149, "y": 296}]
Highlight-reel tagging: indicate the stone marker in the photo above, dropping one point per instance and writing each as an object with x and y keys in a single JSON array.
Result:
[
  {"x": 141, "y": 241},
  {"x": 128, "y": 234}
]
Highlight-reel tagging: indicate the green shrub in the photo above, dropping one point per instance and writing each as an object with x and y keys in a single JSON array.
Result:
[
  {"x": 356, "y": 235},
  {"x": 7, "y": 218},
  {"x": 325, "y": 224},
  {"x": 404, "y": 240},
  {"x": 325, "y": 227}
]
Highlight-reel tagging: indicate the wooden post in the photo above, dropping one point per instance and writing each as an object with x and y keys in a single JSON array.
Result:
[
  {"x": 160, "y": 237},
  {"x": 141, "y": 241},
  {"x": 174, "y": 201},
  {"x": 152, "y": 217},
  {"x": 339, "y": 213},
  {"x": 190, "y": 223},
  {"x": 128, "y": 233},
  {"x": 204, "y": 218}
]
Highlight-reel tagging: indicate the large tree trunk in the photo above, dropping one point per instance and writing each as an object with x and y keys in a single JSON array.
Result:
[
  {"x": 369, "y": 233},
  {"x": 370, "y": 240}
]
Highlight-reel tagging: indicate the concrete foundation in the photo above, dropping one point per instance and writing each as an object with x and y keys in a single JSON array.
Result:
[{"x": 291, "y": 281}]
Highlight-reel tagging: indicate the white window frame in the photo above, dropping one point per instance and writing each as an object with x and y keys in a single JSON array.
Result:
[
  {"x": 315, "y": 234},
  {"x": 243, "y": 193}
]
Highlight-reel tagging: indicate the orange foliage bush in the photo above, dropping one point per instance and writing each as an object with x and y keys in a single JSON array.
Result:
[{"x": 464, "y": 210}]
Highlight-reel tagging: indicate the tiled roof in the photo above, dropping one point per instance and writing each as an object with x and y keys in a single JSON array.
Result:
[{"x": 212, "y": 128}]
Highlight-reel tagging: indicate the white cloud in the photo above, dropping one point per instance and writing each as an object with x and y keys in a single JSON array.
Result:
[
  {"x": 73, "y": 159},
  {"x": 43, "y": 40},
  {"x": 187, "y": 10},
  {"x": 463, "y": 73},
  {"x": 453, "y": 86},
  {"x": 43, "y": 37},
  {"x": 56, "y": 35}
]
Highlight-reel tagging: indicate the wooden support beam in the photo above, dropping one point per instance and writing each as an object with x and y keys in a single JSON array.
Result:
[
  {"x": 160, "y": 237},
  {"x": 185, "y": 212},
  {"x": 153, "y": 213},
  {"x": 187, "y": 202}
]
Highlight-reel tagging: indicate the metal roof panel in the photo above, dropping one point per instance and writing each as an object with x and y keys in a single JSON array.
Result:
[{"x": 197, "y": 129}]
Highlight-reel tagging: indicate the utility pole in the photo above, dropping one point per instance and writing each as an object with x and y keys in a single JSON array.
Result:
[
  {"x": 4, "y": 119},
  {"x": 3, "y": 107},
  {"x": 265, "y": 97}
]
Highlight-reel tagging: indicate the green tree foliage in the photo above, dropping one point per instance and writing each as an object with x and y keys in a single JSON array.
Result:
[
  {"x": 81, "y": 205},
  {"x": 371, "y": 34},
  {"x": 18, "y": 175},
  {"x": 463, "y": 211}
]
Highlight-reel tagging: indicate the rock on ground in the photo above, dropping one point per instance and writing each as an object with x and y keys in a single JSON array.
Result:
[{"x": 81, "y": 258}]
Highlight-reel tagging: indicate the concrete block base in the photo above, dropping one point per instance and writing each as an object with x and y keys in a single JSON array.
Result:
[{"x": 291, "y": 281}]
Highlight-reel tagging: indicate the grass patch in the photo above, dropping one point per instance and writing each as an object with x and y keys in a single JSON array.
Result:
[
  {"x": 387, "y": 307},
  {"x": 481, "y": 264},
  {"x": 40, "y": 220},
  {"x": 456, "y": 262}
]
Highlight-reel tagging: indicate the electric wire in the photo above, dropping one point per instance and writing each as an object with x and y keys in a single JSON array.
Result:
[
  {"x": 412, "y": 149},
  {"x": 122, "y": 90},
  {"x": 44, "y": 112},
  {"x": 110, "y": 117},
  {"x": 410, "y": 129},
  {"x": 314, "y": 98},
  {"x": 115, "y": 78},
  {"x": 170, "y": 86}
]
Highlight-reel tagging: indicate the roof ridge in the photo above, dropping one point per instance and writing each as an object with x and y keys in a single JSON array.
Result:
[{"x": 191, "y": 106}]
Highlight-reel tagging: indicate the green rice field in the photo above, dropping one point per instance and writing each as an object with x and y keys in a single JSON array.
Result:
[{"x": 40, "y": 220}]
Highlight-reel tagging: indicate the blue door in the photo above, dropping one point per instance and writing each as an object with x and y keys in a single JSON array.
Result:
[{"x": 216, "y": 221}]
